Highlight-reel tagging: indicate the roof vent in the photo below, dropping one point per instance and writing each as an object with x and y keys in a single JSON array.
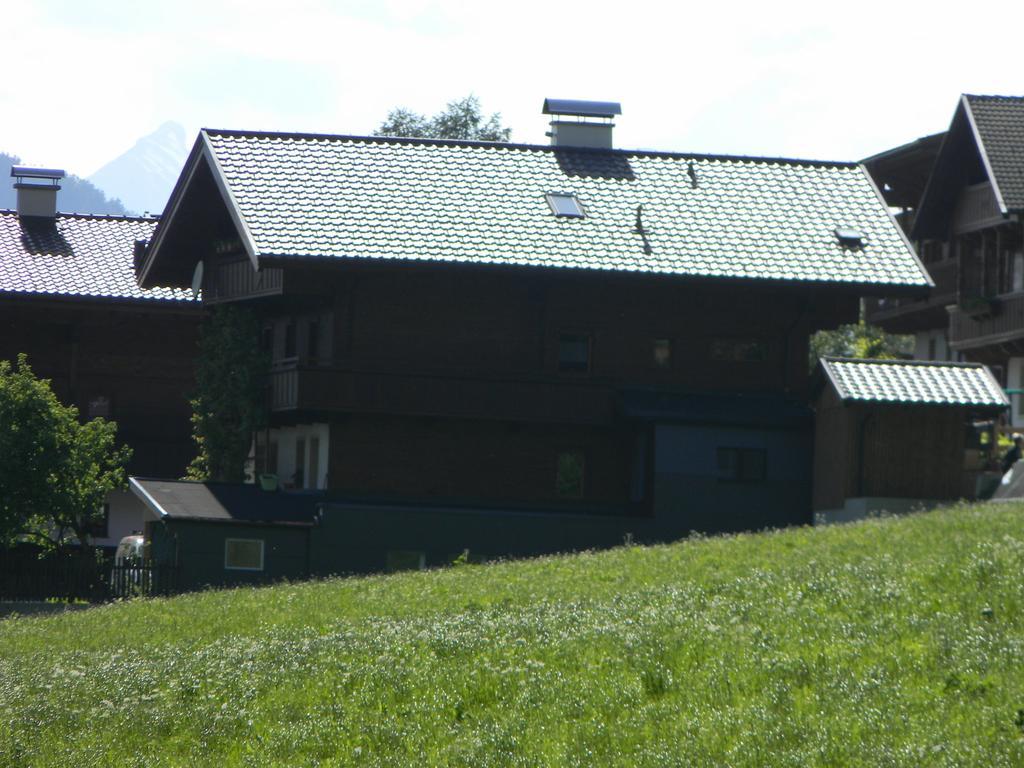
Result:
[
  {"x": 850, "y": 238},
  {"x": 37, "y": 190},
  {"x": 592, "y": 126}
]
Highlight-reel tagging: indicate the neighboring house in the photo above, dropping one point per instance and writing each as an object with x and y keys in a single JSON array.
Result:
[
  {"x": 69, "y": 300},
  {"x": 892, "y": 435},
  {"x": 967, "y": 226},
  {"x": 569, "y": 328}
]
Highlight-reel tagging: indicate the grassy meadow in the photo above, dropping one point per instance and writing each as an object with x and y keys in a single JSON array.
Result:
[{"x": 893, "y": 642}]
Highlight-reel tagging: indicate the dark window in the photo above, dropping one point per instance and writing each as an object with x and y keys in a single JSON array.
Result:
[
  {"x": 99, "y": 407},
  {"x": 299, "y": 478},
  {"x": 931, "y": 348},
  {"x": 99, "y": 527},
  {"x": 569, "y": 475},
  {"x": 574, "y": 353},
  {"x": 313, "y": 340},
  {"x": 289, "y": 339},
  {"x": 739, "y": 350},
  {"x": 404, "y": 560},
  {"x": 267, "y": 338},
  {"x": 314, "y": 462},
  {"x": 662, "y": 353},
  {"x": 742, "y": 465}
]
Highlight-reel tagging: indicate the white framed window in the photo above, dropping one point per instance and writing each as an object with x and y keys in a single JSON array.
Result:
[{"x": 243, "y": 554}]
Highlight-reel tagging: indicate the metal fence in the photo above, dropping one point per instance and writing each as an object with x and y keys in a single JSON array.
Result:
[{"x": 27, "y": 574}]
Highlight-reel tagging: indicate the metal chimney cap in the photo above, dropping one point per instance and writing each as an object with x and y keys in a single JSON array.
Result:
[
  {"x": 28, "y": 172},
  {"x": 582, "y": 108}
]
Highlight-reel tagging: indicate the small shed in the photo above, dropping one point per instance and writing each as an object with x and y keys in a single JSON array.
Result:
[
  {"x": 893, "y": 435},
  {"x": 222, "y": 534}
]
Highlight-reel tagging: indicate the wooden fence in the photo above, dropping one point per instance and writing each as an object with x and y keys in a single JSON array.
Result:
[{"x": 27, "y": 574}]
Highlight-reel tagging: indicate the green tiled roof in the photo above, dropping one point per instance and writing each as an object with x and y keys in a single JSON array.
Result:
[
  {"x": 914, "y": 383},
  {"x": 422, "y": 200},
  {"x": 76, "y": 255}
]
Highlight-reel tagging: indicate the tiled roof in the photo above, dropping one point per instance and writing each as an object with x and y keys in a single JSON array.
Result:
[
  {"x": 920, "y": 383},
  {"x": 999, "y": 121},
  {"x": 75, "y": 255},
  {"x": 731, "y": 217}
]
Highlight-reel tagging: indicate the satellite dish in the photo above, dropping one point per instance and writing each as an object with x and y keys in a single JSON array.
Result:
[{"x": 197, "y": 279}]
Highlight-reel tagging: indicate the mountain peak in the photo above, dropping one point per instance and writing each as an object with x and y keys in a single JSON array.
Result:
[{"x": 142, "y": 177}]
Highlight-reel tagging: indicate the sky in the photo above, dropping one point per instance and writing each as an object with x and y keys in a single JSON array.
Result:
[{"x": 821, "y": 80}]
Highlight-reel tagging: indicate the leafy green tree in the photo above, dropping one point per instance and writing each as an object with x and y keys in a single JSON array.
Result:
[
  {"x": 229, "y": 405},
  {"x": 859, "y": 340},
  {"x": 462, "y": 119},
  {"x": 54, "y": 471}
]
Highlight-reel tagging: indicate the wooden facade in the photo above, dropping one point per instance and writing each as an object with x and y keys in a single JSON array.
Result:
[{"x": 131, "y": 363}]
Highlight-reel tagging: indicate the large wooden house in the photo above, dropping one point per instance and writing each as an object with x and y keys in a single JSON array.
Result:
[
  {"x": 963, "y": 196},
  {"x": 69, "y": 300},
  {"x": 561, "y": 328}
]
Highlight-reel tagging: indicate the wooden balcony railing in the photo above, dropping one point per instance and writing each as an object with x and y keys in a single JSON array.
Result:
[
  {"x": 905, "y": 315},
  {"x": 238, "y": 280},
  {"x": 978, "y": 326},
  {"x": 976, "y": 209}
]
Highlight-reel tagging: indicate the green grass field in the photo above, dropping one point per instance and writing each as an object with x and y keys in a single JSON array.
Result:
[{"x": 889, "y": 642}]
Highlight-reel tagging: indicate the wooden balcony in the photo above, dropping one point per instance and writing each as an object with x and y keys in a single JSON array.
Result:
[
  {"x": 309, "y": 389},
  {"x": 976, "y": 209},
  {"x": 908, "y": 315},
  {"x": 1002, "y": 322},
  {"x": 234, "y": 280}
]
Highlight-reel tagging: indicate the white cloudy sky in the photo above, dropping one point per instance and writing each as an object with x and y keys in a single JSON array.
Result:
[{"x": 819, "y": 79}]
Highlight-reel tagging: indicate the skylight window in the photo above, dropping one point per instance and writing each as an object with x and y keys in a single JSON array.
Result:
[
  {"x": 565, "y": 204},
  {"x": 850, "y": 238}
]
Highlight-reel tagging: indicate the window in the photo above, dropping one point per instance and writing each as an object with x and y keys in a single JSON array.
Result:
[
  {"x": 569, "y": 475},
  {"x": 299, "y": 478},
  {"x": 574, "y": 353},
  {"x": 565, "y": 204},
  {"x": 99, "y": 527},
  {"x": 931, "y": 348},
  {"x": 741, "y": 465},
  {"x": 313, "y": 340},
  {"x": 739, "y": 350},
  {"x": 99, "y": 407},
  {"x": 243, "y": 554},
  {"x": 662, "y": 353},
  {"x": 289, "y": 339},
  {"x": 314, "y": 462},
  {"x": 404, "y": 560}
]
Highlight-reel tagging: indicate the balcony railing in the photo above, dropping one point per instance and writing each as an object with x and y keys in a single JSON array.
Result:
[
  {"x": 978, "y": 325},
  {"x": 238, "y": 280},
  {"x": 335, "y": 389},
  {"x": 976, "y": 209},
  {"x": 905, "y": 315}
]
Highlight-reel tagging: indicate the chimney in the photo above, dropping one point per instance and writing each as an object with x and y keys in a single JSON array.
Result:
[
  {"x": 37, "y": 190},
  {"x": 581, "y": 123}
]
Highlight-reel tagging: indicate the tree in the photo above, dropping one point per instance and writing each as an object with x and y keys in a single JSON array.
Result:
[
  {"x": 461, "y": 119},
  {"x": 229, "y": 405},
  {"x": 54, "y": 471},
  {"x": 859, "y": 340}
]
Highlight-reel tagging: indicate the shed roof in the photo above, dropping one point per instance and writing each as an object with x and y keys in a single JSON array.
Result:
[
  {"x": 76, "y": 255},
  {"x": 224, "y": 502},
  {"x": 349, "y": 197},
  {"x": 914, "y": 382}
]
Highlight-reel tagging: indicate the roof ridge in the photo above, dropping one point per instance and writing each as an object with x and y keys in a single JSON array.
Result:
[
  {"x": 897, "y": 361},
  {"x": 994, "y": 97},
  {"x": 101, "y": 216},
  {"x": 805, "y": 162}
]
